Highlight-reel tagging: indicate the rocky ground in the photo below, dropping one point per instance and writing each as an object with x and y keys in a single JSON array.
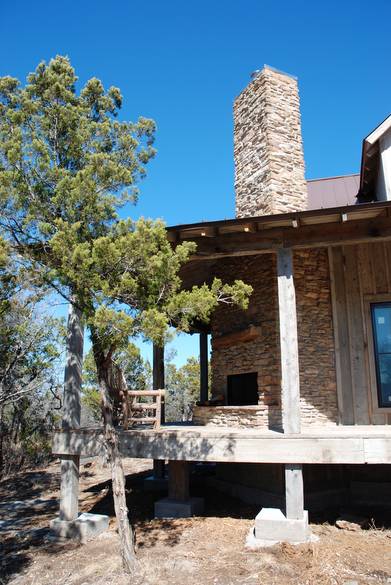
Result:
[{"x": 197, "y": 551}]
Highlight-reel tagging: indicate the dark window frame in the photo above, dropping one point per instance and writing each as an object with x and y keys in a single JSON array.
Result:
[{"x": 373, "y": 305}]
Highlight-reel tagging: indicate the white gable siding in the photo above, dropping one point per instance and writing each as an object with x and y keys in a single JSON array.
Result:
[{"x": 384, "y": 174}]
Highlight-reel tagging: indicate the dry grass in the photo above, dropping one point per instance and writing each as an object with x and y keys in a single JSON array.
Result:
[{"x": 196, "y": 551}]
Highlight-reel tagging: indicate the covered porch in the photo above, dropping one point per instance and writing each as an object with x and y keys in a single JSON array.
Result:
[{"x": 351, "y": 432}]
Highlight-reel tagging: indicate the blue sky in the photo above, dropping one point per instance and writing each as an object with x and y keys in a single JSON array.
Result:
[{"x": 183, "y": 62}]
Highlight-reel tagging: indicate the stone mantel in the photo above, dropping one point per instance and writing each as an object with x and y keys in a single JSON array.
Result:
[{"x": 228, "y": 408}]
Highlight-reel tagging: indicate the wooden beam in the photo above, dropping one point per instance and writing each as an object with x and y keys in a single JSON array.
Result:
[
  {"x": 290, "y": 379},
  {"x": 204, "y": 382},
  {"x": 158, "y": 367},
  {"x": 70, "y": 465},
  {"x": 304, "y": 236},
  {"x": 290, "y": 383},
  {"x": 158, "y": 383},
  {"x": 73, "y": 370},
  {"x": 334, "y": 445},
  {"x": 243, "y": 336},
  {"x": 146, "y": 393}
]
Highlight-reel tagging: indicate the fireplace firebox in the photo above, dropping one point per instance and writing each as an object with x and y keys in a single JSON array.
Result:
[{"x": 242, "y": 389}]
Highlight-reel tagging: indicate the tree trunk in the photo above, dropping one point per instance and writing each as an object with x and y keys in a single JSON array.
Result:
[
  {"x": 125, "y": 532},
  {"x": 2, "y": 434}
]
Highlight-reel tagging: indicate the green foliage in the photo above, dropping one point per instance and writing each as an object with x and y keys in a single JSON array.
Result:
[
  {"x": 30, "y": 339},
  {"x": 26, "y": 427},
  {"x": 136, "y": 370},
  {"x": 67, "y": 164},
  {"x": 183, "y": 390},
  {"x": 31, "y": 342},
  {"x": 65, "y": 158}
]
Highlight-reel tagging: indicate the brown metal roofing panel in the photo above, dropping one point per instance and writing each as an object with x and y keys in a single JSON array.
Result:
[{"x": 333, "y": 192}]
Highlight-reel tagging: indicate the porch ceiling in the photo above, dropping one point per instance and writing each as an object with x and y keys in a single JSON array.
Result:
[{"x": 266, "y": 234}]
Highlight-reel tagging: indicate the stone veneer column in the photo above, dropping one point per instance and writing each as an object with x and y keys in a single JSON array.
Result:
[{"x": 268, "y": 150}]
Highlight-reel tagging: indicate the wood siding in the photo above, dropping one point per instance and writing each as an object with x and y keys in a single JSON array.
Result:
[{"x": 359, "y": 274}]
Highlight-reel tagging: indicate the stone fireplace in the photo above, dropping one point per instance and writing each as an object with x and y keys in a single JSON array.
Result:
[
  {"x": 241, "y": 409},
  {"x": 245, "y": 360}
]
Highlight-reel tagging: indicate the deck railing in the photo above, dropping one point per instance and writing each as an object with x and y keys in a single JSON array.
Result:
[{"x": 145, "y": 412}]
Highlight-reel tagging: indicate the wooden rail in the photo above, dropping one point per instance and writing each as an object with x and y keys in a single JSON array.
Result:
[{"x": 148, "y": 412}]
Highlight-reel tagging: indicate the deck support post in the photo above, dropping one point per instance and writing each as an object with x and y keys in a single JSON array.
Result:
[
  {"x": 69, "y": 509},
  {"x": 70, "y": 524},
  {"x": 294, "y": 491},
  {"x": 178, "y": 480},
  {"x": 179, "y": 504},
  {"x": 158, "y": 383},
  {"x": 271, "y": 525}
]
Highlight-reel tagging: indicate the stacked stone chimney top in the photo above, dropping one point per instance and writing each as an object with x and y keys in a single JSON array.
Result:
[
  {"x": 268, "y": 150},
  {"x": 257, "y": 72}
]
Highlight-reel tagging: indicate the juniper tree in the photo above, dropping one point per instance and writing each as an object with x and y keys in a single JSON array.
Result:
[
  {"x": 137, "y": 373},
  {"x": 67, "y": 165},
  {"x": 183, "y": 390},
  {"x": 31, "y": 341}
]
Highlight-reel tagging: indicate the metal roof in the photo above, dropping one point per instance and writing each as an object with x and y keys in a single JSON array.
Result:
[{"x": 333, "y": 191}]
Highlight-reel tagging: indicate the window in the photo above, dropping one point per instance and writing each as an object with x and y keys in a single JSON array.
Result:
[
  {"x": 381, "y": 322},
  {"x": 242, "y": 389}
]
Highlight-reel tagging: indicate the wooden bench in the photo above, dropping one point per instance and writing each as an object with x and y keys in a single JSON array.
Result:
[{"x": 144, "y": 412}]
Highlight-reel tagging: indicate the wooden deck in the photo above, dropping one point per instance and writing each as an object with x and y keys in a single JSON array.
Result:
[{"x": 340, "y": 444}]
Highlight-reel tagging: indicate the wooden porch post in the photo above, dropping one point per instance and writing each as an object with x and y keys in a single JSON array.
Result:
[
  {"x": 203, "y": 366},
  {"x": 71, "y": 413},
  {"x": 158, "y": 383},
  {"x": 290, "y": 383},
  {"x": 290, "y": 380}
]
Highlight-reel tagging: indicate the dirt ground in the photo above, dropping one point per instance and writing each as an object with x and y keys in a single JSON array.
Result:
[{"x": 197, "y": 551}]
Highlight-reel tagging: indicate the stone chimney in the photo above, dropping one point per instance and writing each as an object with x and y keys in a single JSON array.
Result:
[{"x": 268, "y": 150}]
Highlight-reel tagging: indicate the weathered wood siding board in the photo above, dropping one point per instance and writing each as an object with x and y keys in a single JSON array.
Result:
[
  {"x": 357, "y": 272},
  {"x": 341, "y": 336},
  {"x": 356, "y": 336},
  {"x": 378, "y": 258},
  {"x": 387, "y": 249}
]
